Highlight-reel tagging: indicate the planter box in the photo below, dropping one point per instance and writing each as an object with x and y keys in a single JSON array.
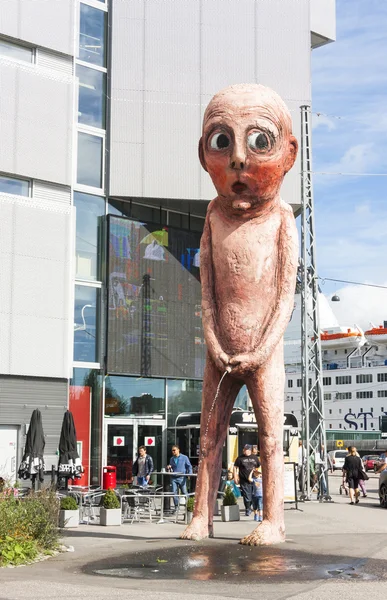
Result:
[
  {"x": 230, "y": 513},
  {"x": 69, "y": 518},
  {"x": 110, "y": 516},
  {"x": 189, "y": 516}
]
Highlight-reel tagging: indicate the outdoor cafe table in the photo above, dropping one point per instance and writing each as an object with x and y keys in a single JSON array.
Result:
[{"x": 166, "y": 495}]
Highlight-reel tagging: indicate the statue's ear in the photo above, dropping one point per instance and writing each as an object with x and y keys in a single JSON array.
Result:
[
  {"x": 201, "y": 154},
  {"x": 292, "y": 153}
]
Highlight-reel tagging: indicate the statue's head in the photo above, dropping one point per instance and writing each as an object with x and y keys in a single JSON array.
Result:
[{"x": 247, "y": 146}]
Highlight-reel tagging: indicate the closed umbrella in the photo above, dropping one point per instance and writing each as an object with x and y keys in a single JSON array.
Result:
[
  {"x": 69, "y": 465},
  {"x": 32, "y": 464}
]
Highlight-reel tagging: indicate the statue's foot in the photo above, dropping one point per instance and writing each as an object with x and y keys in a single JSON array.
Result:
[
  {"x": 265, "y": 534},
  {"x": 197, "y": 530}
]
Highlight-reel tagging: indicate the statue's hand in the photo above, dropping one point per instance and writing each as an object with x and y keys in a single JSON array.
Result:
[
  {"x": 222, "y": 361},
  {"x": 242, "y": 364}
]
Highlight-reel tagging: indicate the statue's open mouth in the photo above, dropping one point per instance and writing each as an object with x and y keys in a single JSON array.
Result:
[{"x": 238, "y": 187}]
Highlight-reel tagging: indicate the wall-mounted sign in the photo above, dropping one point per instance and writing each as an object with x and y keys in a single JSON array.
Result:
[
  {"x": 149, "y": 441},
  {"x": 340, "y": 443}
]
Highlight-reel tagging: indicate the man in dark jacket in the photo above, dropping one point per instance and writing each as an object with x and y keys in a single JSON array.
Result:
[
  {"x": 143, "y": 467},
  {"x": 243, "y": 466}
]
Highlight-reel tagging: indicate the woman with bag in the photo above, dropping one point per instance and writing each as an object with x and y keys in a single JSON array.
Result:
[{"x": 353, "y": 468}]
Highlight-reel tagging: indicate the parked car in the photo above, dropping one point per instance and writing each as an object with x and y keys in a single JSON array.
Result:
[
  {"x": 383, "y": 489},
  {"x": 379, "y": 463},
  {"x": 337, "y": 458},
  {"x": 369, "y": 461}
]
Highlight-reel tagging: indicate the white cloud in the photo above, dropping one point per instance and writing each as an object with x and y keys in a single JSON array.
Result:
[
  {"x": 360, "y": 305},
  {"x": 321, "y": 120}
]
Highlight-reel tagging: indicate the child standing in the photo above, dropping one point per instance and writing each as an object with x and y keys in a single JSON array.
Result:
[{"x": 256, "y": 478}]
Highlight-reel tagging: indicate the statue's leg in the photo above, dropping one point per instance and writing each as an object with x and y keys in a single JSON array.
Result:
[
  {"x": 266, "y": 389},
  {"x": 214, "y": 424}
]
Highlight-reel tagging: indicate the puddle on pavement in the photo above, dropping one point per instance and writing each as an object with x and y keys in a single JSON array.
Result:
[{"x": 225, "y": 562}]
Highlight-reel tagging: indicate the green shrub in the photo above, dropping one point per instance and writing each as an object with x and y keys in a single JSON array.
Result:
[
  {"x": 229, "y": 497},
  {"x": 68, "y": 503},
  {"x": 31, "y": 524},
  {"x": 17, "y": 551},
  {"x": 110, "y": 500},
  {"x": 190, "y": 504}
]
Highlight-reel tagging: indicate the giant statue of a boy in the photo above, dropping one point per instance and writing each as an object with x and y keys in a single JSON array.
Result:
[{"x": 248, "y": 256}]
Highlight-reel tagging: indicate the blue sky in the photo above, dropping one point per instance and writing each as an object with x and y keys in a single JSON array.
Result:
[{"x": 349, "y": 84}]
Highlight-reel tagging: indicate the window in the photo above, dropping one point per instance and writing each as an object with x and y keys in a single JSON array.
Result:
[
  {"x": 327, "y": 381},
  {"x": 343, "y": 380},
  {"x": 364, "y": 378},
  {"x": 382, "y": 408},
  {"x": 15, "y": 186},
  {"x": 382, "y": 377},
  {"x": 364, "y": 395},
  {"x": 327, "y": 396},
  {"x": 132, "y": 396},
  {"x": 89, "y": 168},
  {"x": 340, "y": 426},
  {"x": 330, "y": 425},
  {"x": 372, "y": 424},
  {"x": 335, "y": 351},
  {"x": 344, "y": 396},
  {"x": 330, "y": 411},
  {"x": 92, "y": 35},
  {"x": 299, "y": 382},
  {"x": 11, "y": 50},
  {"x": 86, "y": 316},
  {"x": 290, "y": 383},
  {"x": 91, "y": 97},
  {"x": 325, "y": 352},
  {"x": 382, "y": 394},
  {"x": 345, "y": 351},
  {"x": 90, "y": 210},
  {"x": 339, "y": 411},
  {"x": 371, "y": 409}
]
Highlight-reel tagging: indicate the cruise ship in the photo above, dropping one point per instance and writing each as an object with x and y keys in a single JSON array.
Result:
[{"x": 354, "y": 372}]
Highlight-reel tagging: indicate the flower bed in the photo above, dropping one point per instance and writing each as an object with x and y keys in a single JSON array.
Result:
[{"x": 28, "y": 526}]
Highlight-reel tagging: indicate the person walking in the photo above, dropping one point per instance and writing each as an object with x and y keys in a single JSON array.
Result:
[
  {"x": 352, "y": 468},
  {"x": 243, "y": 466},
  {"x": 142, "y": 467},
  {"x": 301, "y": 462},
  {"x": 255, "y": 478},
  {"x": 180, "y": 464}
]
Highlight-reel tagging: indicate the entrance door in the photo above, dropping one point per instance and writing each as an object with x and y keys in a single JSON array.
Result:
[
  {"x": 123, "y": 439},
  {"x": 8, "y": 447}
]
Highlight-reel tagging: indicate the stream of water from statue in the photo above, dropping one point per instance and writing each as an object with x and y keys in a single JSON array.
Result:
[{"x": 204, "y": 446}]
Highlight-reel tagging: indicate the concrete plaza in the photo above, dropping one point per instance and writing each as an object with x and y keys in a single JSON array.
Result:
[{"x": 333, "y": 550}]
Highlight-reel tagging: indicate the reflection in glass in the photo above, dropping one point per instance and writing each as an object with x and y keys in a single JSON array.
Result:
[
  {"x": 85, "y": 323},
  {"x": 90, "y": 381},
  {"x": 131, "y": 396},
  {"x": 90, "y": 209},
  {"x": 120, "y": 451},
  {"x": 184, "y": 395},
  {"x": 91, "y": 98},
  {"x": 12, "y": 185},
  {"x": 89, "y": 166},
  {"x": 92, "y": 35},
  {"x": 15, "y": 51}
]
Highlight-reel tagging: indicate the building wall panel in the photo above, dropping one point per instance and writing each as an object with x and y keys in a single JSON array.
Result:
[
  {"x": 36, "y": 135},
  {"x": 40, "y": 22}
]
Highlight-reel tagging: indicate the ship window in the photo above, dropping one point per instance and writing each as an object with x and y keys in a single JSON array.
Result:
[
  {"x": 382, "y": 394},
  {"x": 361, "y": 425},
  {"x": 364, "y": 395},
  {"x": 372, "y": 424},
  {"x": 290, "y": 382},
  {"x": 361, "y": 410},
  {"x": 299, "y": 382},
  {"x": 382, "y": 409},
  {"x": 340, "y": 425},
  {"x": 330, "y": 425},
  {"x": 327, "y": 396},
  {"x": 364, "y": 378},
  {"x": 335, "y": 351},
  {"x": 330, "y": 411},
  {"x": 327, "y": 381},
  {"x": 339, "y": 411},
  {"x": 371, "y": 409},
  {"x": 382, "y": 377},
  {"x": 345, "y": 351},
  {"x": 325, "y": 352},
  {"x": 343, "y": 380},
  {"x": 344, "y": 396}
]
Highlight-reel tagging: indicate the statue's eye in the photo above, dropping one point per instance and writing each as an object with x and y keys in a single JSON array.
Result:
[
  {"x": 258, "y": 141},
  {"x": 219, "y": 141}
]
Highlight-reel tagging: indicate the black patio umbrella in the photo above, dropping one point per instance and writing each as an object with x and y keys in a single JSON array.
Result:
[
  {"x": 69, "y": 464},
  {"x": 32, "y": 464}
]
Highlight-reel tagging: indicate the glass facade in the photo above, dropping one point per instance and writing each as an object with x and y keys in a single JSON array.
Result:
[
  {"x": 90, "y": 210},
  {"x": 90, "y": 158},
  {"x": 11, "y": 50},
  {"x": 91, "y": 97},
  {"x": 154, "y": 306},
  {"x": 92, "y": 35},
  {"x": 184, "y": 395},
  {"x": 134, "y": 397},
  {"x": 86, "y": 314},
  {"x": 12, "y": 185}
]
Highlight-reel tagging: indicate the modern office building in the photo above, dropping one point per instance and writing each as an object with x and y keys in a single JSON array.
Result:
[{"x": 102, "y": 204}]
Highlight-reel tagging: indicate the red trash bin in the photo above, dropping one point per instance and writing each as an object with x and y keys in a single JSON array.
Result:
[{"x": 109, "y": 477}]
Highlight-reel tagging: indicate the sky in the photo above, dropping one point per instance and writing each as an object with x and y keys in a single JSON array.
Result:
[{"x": 349, "y": 93}]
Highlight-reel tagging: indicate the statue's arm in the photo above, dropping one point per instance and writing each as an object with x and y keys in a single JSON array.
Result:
[
  {"x": 219, "y": 357},
  {"x": 286, "y": 283}
]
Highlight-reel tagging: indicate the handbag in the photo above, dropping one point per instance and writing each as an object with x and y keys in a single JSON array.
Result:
[{"x": 363, "y": 475}]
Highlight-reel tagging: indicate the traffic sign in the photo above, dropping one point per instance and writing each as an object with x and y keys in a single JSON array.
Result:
[
  {"x": 118, "y": 440},
  {"x": 149, "y": 441},
  {"x": 340, "y": 443}
]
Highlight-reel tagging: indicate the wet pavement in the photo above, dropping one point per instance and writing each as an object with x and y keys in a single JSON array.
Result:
[{"x": 230, "y": 562}]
